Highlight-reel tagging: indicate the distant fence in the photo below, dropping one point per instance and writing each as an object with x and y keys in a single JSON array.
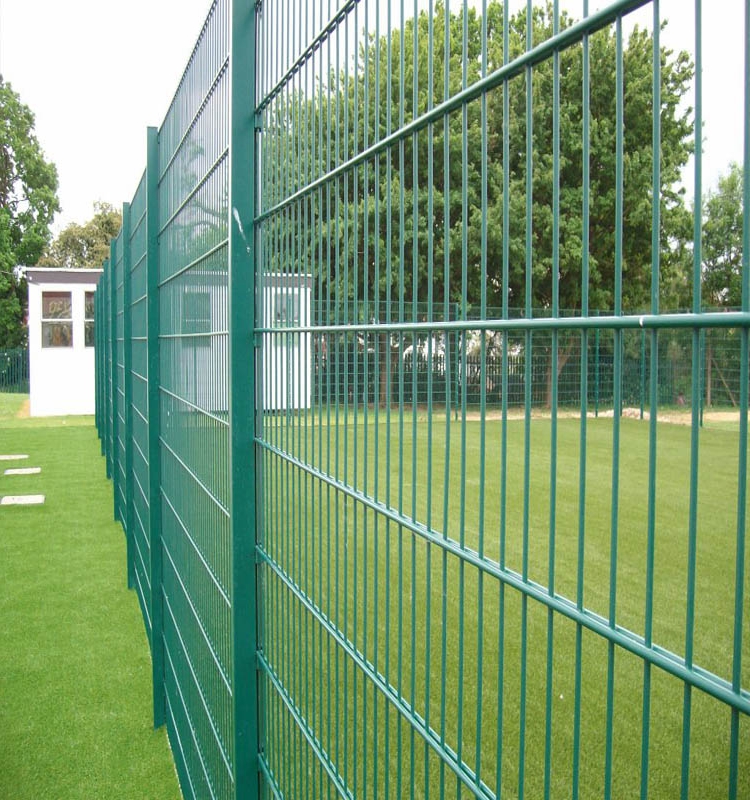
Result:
[
  {"x": 421, "y": 371},
  {"x": 14, "y": 371},
  {"x": 360, "y": 575}
]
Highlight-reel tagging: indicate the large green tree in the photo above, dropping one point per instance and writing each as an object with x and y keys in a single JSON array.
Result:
[
  {"x": 425, "y": 219},
  {"x": 722, "y": 241},
  {"x": 307, "y": 136},
  {"x": 85, "y": 246},
  {"x": 28, "y": 204}
]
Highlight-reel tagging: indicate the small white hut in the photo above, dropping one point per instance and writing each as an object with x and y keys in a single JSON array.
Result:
[
  {"x": 287, "y": 357},
  {"x": 61, "y": 340}
]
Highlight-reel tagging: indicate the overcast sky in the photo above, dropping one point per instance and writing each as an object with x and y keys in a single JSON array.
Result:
[{"x": 96, "y": 73}]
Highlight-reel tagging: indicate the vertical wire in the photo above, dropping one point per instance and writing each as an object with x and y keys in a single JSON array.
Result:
[
  {"x": 350, "y": 348},
  {"x": 654, "y": 388},
  {"x": 366, "y": 367},
  {"x": 310, "y": 350},
  {"x": 464, "y": 304},
  {"x": 415, "y": 293},
  {"x": 378, "y": 366},
  {"x": 446, "y": 316},
  {"x": 695, "y": 405},
  {"x": 528, "y": 356},
  {"x": 401, "y": 320},
  {"x": 387, "y": 340},
  {"x": 324, "y": 392},
  {"x": 504, "y": 389},
  {"x": 554, "y": 379},
  {"x": 617, "y": 402},
  {"x": 380, "y": 306},
  {"x": 354, "y": 318},
  {"x": 739, "y": 586},
  {"x": 331, "y": 297},
  {"x": 585, "y": 277},
  {"x": 430, "y": 368},
  {"x": 482, "y": 407},
  {"x": 340, "y": 346}
]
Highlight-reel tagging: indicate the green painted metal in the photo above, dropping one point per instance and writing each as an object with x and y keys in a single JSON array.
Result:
[
  {"x": 128, "y": 511},
  {"x": 114, "y": 345},
  {"x": 137, "y": 383},
  {"x": 152, "y": 450},
  {"x": 246, "y": 520},
  {"x": 374, "y": 556},
  {"x": 14, "y": 371}
]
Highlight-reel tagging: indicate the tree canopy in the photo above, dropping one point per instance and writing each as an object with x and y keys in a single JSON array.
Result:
[
  {"x": 432, "y": 185},
  {"x": 85, "y": 246},
  {"x": 722, "y": 241},
  {"x": 28, "y": 204}
]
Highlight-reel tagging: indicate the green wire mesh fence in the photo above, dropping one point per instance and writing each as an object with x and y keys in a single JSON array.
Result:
[
  {"x": 14, "y": 371},
  {"x": 391, "y": 526}
]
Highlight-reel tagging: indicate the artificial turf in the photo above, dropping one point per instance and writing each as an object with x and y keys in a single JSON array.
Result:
[
  {"x": 431, "y": 628},
  {"x": 75, "y": 671}
]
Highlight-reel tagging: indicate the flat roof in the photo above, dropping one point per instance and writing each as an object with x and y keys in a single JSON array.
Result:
[{"x": 62, "y": 275}]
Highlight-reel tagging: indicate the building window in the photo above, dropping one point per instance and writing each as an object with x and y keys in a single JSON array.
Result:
[
  {"x": 57, "y": 319},
  {"x": 196, "y": 311},
  {"x": 88, "y": 330},
  {"x": 286, "y": 309}
]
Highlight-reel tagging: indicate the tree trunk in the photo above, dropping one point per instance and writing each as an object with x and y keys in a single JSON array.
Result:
[
  {"x": 385, "y": 367},
  {"x": 563, "y": 356}
]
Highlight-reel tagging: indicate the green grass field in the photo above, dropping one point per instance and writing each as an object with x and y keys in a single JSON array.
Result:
[
  {"x": 429, "y": 629},
  {"x": 441, "y": 642},
  {"x": 75, "y": 673}
]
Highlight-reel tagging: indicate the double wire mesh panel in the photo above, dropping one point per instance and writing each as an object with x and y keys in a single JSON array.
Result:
[{"x": 386, "y": 541}]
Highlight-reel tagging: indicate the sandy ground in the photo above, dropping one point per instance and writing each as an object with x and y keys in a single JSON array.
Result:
[{"x": 671, "y": 415}]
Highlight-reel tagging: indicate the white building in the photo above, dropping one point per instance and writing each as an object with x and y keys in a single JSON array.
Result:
[
  {"x": 287, "y": 357},
  {"x": 194, "y": 358},
  {"x": 61, "y": 340}
]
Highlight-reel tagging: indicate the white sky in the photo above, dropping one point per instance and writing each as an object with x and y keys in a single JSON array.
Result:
[{"x": 97, "y": 73}]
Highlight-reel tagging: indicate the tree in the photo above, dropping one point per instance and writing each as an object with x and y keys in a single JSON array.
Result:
[
  {"x": 422, "y": 240},
  {"x": 722, "y": 241},
  {"x": 85, "y": 246},
  {"x": 28, "y": 204},
  {"x": 341, "y": 106}
]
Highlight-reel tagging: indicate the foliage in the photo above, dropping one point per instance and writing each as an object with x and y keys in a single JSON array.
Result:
[
  {"x": 419, "y": 204},
  {"x": 722, "y": 241},
  {"x": 85, "y": 246},
  {"x": 28, "y": 203}
]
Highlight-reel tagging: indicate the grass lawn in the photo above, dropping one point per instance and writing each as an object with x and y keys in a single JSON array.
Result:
[
  {"x": 448, "y": 642},
  {"x": 75, "y": 671}
]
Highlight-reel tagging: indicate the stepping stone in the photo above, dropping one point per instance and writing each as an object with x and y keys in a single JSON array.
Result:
[
  {"x": 22, "y": 500},
  {"x": 23, "y": 471},
  {"x": 12, "y": 458}
]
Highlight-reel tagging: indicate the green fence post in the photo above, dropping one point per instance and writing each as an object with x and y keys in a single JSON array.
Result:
[
  {"x": 242, "y": 412},
  {"x": 97, "y": 367},
  {"x": 102, "y": 344},
  {"x": 98, "y": 323},
  {"x": 113, "y": 366},
  {"x": 105, "y": 366},
  {"x": 107, "y": 334},
  {"x": 154, "y": 425},
  {"x": 127, "y": 359}
]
